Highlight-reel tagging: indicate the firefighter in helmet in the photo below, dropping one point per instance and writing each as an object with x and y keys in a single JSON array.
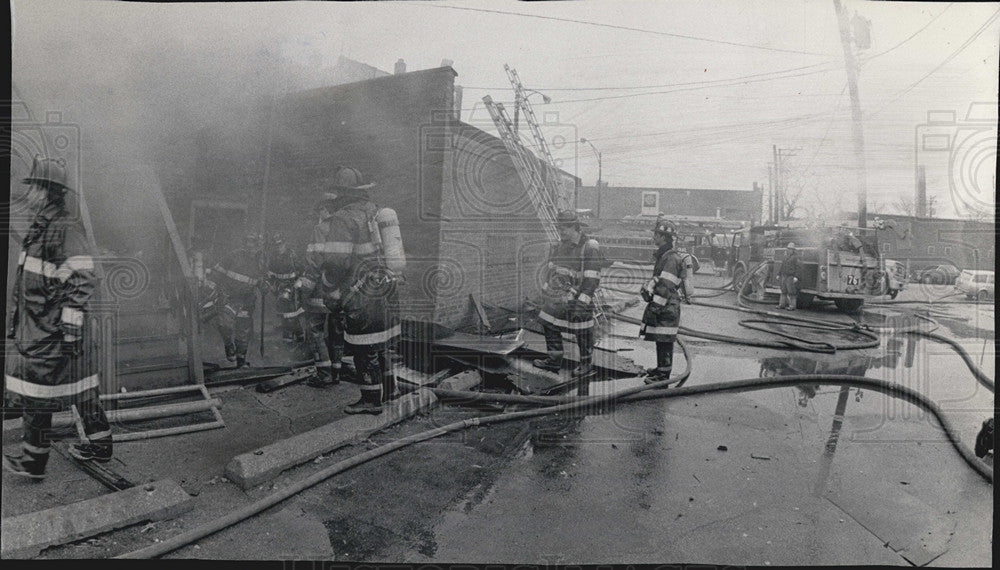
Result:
[
  {"x": 238, "y": 279},
  {"x": 663, "y": 294},
  {"x": 362, "y": 265},
  {"x": 283, "y": 268},
  {"x": 572, "y": 275},
  {"x": 323, "y": 331},
  {"x": 53, "y": 364}
]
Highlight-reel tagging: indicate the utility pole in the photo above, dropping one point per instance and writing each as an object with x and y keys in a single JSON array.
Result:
[
  {"x": 850, "y": 61},
  {"x": 770, "y": 194},
  {"x": 777, "y": 184},
  {"x": 779, "y": 170}
]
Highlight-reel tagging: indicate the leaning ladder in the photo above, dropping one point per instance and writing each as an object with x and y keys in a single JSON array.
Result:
[
  {"x": 527, "y": 168},
  {"x": 521, "y": 100}
]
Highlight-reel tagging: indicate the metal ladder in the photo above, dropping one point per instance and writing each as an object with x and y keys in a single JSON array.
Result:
[
  {"x": 527, "y": 168},
  {"x": 521, "y": 100}
]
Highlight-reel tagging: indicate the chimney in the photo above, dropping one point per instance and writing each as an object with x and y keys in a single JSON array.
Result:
[
  {"x": 447, "y": 63},
  {"x": 458, "y": 102},
  {"x": 400, "y": 67},
  {"x": 921, "y": 197}
]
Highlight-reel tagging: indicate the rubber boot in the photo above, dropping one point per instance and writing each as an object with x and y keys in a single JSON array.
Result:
[
  {"x": 30, "y": 463},
  {"x": 554, "y": 346},
  {"x": 326, "y": 376},
  {"x": 664, "y": 363},
  {"x": 370, "y": 402},
  {"x": 371, "y": 387},
  {"x": 388, "y": 380},
  {"x": 585, "y": 342}
]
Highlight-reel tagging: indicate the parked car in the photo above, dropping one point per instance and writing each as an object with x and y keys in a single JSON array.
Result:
[
  {"x": 939, "y": 275},
  {"x": 977, "y": 285}
]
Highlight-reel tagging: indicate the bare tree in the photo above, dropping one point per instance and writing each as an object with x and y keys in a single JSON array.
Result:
[{"x": 908, "y": 206}]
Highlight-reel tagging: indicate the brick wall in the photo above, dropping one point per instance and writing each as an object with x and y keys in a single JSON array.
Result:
[
  {"x": 491, "y": 240},
  {"x": 926, "y": 242},
  {"x": 467, "y": 223}
]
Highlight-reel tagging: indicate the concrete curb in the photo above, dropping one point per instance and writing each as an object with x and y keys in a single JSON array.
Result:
[
  {"x": 266, "y": 463},
  {"x": 25, "y": 536}
]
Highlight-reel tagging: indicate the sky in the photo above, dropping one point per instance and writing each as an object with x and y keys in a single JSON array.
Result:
[{"x": 671, "y": 93}]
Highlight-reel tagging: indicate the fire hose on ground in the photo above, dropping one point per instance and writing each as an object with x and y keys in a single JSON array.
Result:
[{"x": 656, "y": 390}]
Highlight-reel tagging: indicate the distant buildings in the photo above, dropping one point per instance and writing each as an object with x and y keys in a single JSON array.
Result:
[{"x": 619, "y": 202}]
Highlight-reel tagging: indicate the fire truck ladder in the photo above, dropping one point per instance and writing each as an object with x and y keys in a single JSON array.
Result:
[
  {"x": 521, "y": 100},
  {"x": 527, "y": 168}
]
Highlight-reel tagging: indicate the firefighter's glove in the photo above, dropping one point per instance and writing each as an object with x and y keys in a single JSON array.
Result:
[{"x": 646, "y": 295}]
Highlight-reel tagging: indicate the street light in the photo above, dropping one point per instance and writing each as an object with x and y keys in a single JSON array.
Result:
[
  {"x": 517, "y": 102},
  {"x": 599, "y": 173}
]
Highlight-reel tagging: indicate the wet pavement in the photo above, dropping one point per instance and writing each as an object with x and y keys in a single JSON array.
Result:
[{"x": 804, "y": 475}]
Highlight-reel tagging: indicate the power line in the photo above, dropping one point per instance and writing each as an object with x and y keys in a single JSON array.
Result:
[
  {"x": 705, "y": 82},
  {"x": 911, "y": 36},
  {"x": 616, "y": 27},
  {"x": 952, "y": 56}
]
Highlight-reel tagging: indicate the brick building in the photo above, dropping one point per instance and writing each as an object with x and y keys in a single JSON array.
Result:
[
  {"x": 926, "y": 242},
  {"x": 617, "y": 202},
  {"x": 467, "y": 223}
]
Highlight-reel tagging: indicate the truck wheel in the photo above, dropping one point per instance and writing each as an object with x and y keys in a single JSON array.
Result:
[
  {"x": 983, "y": 296},
  {"x": 849, "y": 306},
  {"x": 893, "y": 293}
]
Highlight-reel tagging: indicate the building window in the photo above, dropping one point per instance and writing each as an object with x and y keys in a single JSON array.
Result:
[
  {"x": 947, "y": 250},
  {"x": 931, "y": 250},
  {"x": 886, "y": 247}
]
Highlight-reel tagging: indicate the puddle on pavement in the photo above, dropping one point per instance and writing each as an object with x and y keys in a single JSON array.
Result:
[{"x": 929, "y": 367}]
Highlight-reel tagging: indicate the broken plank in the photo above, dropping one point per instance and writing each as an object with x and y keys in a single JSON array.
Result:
[
  {"x": 479, "y": 343},
  {"x": 101, "y": 473},
  {"x": 25, "y": 536},
  {"x": 480, "y": 311}
]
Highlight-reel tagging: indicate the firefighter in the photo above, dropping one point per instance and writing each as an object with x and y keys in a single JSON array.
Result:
[
  {"x": 283, "y": 268},
  {"x": 663, "y": 295},
  {"x": 363, "y": 260},
  {"x": 53, "y": 365},
  {"x": 572, "y": 276},
  {"x": 238, "y": 277},
  {"x": 788, "y": 275},
  {"x": 323, "y": 331}
]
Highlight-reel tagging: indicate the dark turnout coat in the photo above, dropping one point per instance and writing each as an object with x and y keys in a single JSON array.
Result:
[
  {"x": 663, "y": 312},
  {"x": 354, "y": 280},
  {"x": 572, "y": 275},
  {"x": 53, "y": 286}
]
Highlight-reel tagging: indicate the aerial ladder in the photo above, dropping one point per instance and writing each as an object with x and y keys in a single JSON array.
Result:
[
  {"x": 551, "y": 177},
  {"x": 542, "y": 187},
  {"x": 527, "y": 168}
]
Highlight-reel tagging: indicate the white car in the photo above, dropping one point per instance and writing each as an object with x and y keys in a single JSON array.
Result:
[{"x": 977, "y": 285}]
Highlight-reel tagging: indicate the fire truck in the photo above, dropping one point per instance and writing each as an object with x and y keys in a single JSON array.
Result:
[{"x": 840, "y": 263}]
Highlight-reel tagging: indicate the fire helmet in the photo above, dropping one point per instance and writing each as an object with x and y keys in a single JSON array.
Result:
[
  {"x": 568, "y": 218},
  {"x": 348, "y": 178},
  {"x": 48, "y": 171},
  {"x": 664, "y": 228}
]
